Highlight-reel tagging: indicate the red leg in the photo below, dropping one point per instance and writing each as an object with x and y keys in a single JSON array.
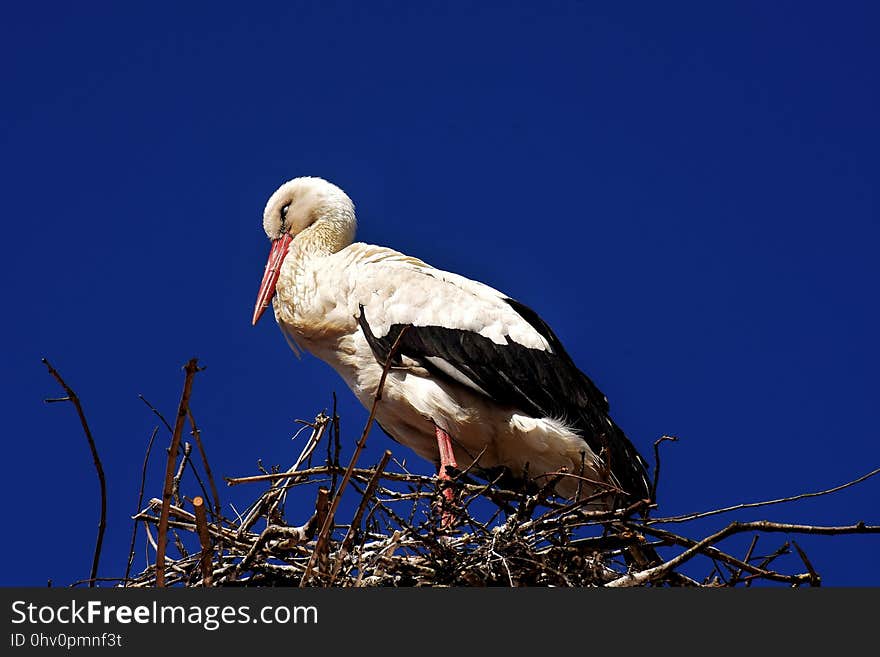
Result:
[{"x": 447, "y": 458}]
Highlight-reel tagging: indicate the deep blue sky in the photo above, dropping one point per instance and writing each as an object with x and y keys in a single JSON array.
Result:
[{"x": 685, "y": 191}]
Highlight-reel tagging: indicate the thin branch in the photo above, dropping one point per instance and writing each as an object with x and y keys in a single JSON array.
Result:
[
  {"x": 606, "y": 487},
  {"x": 191, "y": 368},
  {"x": 102, "y": 523},
  {"x": 752, "y": 505},
  {"x": 140, "y": 500},
  {"x": 91, "y": 581},
  {"x": 204, "y": 539},
  {"x": 766, "y": 561},
  {"x": 337, "y": 446},
  {"x": 815, "y": 580},
  {"x": 738, "y": 574},
  {"x": 175, "y": 483},
  {"x": 197, "y": 435},
  {"x": 656, "y": 480},
  {"x": 192, "y": 468},
  {"x": 359, "y": 514},
  {"x": 157, "y": 413},
  {"x": 365, "y": 473}
]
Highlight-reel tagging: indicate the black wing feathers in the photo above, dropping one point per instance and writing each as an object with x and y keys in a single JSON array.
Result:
[
  {"x": 556, "y": 347},
  {"x": 539, "y": 383}
]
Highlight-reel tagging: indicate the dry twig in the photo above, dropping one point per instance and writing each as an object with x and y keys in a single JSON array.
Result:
[
  {"x": 204, "y": 539},
  {"x": 102, "y": 523},
  {"x": 191, "y": 368},
  {"x": 687, "y": 517},
  {"x": 197, "y": 435},
  {"x": 140, "y": 500}
]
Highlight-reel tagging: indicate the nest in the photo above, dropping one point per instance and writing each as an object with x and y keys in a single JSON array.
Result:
[
  {"x": 386, "y": 526},
  {"x": 400, "y": 530}
]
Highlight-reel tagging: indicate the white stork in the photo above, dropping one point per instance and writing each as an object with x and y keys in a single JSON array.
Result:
[{"x": 478, "y": 378}]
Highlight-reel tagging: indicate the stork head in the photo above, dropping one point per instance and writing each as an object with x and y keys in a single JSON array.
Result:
[{"x": 313, "y": 213}]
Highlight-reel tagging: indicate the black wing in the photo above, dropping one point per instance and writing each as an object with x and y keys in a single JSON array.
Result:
[{"x": 540, "y": 383}]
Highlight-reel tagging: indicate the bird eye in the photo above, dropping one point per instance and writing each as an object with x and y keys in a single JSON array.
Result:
[{"x": 284, "y": 211}]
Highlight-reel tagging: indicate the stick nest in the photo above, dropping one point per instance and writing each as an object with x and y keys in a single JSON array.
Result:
[
  {"x": 391, "y": 532},
  {"x": 394, "y": 535},
  {"x": 386, "y": 526}
]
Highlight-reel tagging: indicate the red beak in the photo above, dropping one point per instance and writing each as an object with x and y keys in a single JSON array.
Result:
[{"x": 270, "y": 276}]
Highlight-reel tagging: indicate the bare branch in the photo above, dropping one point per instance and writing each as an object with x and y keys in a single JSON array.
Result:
[
  {"x": 197, "y": 435},
  {"x": 102, "y": 523},
  {"x": 157, "y": 414},
  {"x": 204, "y": 539},
  {"x": 656, "y": 480},
  {"x": 752, "y": 505},
  {"x": 815, "y": 580},
  {"x": 175, "y": 482},
  {"x": 191, "y": 368},
  {"x": 140, "y": 500},
  {"x": 356, "y": 520}
]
